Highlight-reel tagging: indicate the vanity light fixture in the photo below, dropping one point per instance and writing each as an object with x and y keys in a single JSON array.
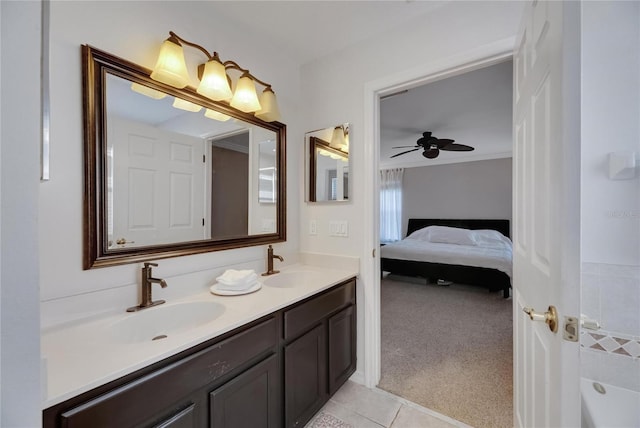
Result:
[{"x": 214, "y": 84}]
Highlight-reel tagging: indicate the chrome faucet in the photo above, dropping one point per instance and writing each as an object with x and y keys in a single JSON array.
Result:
[
  {"x": 270, "y": 257},
  {"x": 147, "y": 281}
]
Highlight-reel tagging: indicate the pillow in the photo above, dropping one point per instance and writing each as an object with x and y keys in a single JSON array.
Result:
[
  {"x": 491, "y": 239},
  {"x": 451, "y": 235},
  {"x": 420, "y": 234},
  {"x": 444, "y": 235}
]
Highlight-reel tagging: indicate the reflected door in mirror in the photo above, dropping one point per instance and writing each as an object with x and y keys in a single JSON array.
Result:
[{"x": 157, "y": 181}]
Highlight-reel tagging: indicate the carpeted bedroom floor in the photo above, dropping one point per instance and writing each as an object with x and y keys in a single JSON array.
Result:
[{"x": 448, "y": 349}]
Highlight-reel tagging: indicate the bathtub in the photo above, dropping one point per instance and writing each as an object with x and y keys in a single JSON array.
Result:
[{"x": 618, "y": 407}]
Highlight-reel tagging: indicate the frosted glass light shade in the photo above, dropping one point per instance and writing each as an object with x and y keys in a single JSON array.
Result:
[
  {"x": 270, "y": 111},
  {"x": 186, "y": 105},
  {"x": 171, "y": 67},
  {"x": 245, "y": 98},
  {"x": 147, "y": 91},
  {"x": 212, "y": 114},
  {"x": 337, "y": 138},
  {"x": 214, "y": 83}
]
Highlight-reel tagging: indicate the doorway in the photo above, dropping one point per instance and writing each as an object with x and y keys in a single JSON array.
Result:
[
  {"x": 480, "y": 58},
  {"x": 434, "y": 352}
]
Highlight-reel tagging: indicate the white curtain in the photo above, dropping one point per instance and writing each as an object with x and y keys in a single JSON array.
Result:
[{"x": 391, "y": 204}]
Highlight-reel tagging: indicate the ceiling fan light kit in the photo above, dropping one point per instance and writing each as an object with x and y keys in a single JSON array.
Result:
[{"x": 431, "y": 146}]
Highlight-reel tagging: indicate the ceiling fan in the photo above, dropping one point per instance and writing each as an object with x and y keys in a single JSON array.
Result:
[{"x": 432, "y": 146}]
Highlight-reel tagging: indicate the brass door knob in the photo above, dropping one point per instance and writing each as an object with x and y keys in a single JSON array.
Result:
[{"x": 550, "y": 317}]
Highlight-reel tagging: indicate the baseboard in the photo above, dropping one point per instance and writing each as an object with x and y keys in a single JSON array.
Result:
[{"x": 357, "y": 377}]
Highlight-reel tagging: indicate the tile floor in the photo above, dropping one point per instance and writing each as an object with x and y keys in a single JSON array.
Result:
[{"x": 355, "y": 406}]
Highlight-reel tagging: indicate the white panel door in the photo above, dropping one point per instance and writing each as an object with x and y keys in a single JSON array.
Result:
[
  {"x": 546, "y": 213},
  {"x": 158, "y": 185}
]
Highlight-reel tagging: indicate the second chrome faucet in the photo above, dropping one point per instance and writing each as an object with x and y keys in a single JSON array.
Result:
[
  {"x": 147, "y": 280},
  {"x": 270, "y": 257}
]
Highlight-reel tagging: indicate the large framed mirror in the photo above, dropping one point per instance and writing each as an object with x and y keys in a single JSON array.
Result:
[
  {"x": 327, "y": 164},
  {"x": 170, "y": 173}
]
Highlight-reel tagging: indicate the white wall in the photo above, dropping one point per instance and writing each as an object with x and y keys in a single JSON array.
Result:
[
  {"x": 20, "y": 172},
  {"x": 610, "y": 209},
  {"x": 134, "y": 31},
  {"x": 479, "y": 189},
  {"x": 610, "y": 123}
]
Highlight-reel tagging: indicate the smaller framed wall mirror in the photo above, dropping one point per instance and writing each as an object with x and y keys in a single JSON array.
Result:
[{"x": 328, "y": 168}]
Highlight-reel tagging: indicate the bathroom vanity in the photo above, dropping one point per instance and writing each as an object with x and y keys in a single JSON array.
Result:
[{"x": 277, "y": 369}]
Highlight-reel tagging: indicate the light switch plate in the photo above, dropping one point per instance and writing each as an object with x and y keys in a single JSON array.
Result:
[
  {"x": 339, "y": 228},
  {"x": 313, "y": 227}
]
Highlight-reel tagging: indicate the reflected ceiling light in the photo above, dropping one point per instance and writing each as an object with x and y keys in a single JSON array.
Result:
[
  {"x": 147, "y": 91},
  {"x": 340, "y": 138},
  {"x": 212, "y": 114},
  {"x": 214, "y": 80},
  {"x": 186, "y": 105}
]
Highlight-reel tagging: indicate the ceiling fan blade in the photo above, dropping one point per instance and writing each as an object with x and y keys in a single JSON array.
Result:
[
  {"x": 442, "y": 142},
  {"x": 408, "y": 151},
  {"x": 404, "y": 147},
  {"x": 457, "y": 148},
  {"x": 431, "y": 153}
]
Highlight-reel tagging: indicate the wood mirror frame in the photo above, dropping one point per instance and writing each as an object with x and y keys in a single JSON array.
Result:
[{"x": 96, "y": 65}]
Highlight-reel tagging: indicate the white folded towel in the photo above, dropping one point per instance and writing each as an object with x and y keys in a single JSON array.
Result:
[
  {"x": 221, "y": 286},
  {"x": 233, "y": 279}
]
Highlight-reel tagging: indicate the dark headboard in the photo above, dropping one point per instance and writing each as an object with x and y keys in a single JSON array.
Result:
[{"x": 501, "y": 226}]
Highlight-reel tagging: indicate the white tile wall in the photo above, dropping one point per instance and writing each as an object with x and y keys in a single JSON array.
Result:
[{"x": 611, "y": 295}]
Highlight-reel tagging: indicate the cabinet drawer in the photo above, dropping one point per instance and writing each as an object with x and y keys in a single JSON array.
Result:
[
  {"x": 305, "y": 315},
  {"x": 160, "y": 389}
]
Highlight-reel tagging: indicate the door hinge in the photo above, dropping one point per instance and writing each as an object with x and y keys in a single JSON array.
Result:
[
  {"x": 373, "y": 253},
  {"x": 203, "y": 221},
  {"x": 203, "y": 158}
]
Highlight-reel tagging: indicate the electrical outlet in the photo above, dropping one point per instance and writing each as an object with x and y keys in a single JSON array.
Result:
[{"x": 313, "y": 227}]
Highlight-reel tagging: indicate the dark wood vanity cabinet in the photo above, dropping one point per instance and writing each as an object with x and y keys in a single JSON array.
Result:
[
  {"x": 342, "y": 347},
  {"x": 305, "y": 377},
  {"x": 319, "y": 351},
  {"x": 276, "y": 371}
]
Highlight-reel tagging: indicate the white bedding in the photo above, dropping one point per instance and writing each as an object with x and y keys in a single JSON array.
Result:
[{"x": 487, "y": 253}]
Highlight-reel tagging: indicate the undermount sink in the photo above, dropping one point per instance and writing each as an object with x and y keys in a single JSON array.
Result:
[
  {"x": 292, "y": 278},
  {"x": 162, "y": 321}
]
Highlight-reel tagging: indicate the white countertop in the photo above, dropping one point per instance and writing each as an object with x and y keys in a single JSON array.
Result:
[{"x": 86, "y": 354}]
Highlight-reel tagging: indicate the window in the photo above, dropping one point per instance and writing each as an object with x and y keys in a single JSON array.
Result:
[{"x": 391, "y": 204}]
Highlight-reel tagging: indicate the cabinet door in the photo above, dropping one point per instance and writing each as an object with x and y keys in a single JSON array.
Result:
[
  {"x": 305, "y": 377},
  {"x": 250, "y": 400},
  {"x": 342, "y": 347}
]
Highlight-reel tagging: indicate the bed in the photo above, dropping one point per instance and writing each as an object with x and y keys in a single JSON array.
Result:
[{"x": 482, "y": 262}]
